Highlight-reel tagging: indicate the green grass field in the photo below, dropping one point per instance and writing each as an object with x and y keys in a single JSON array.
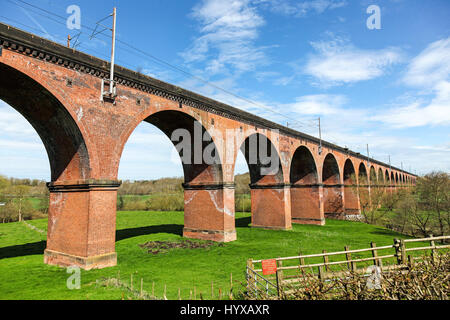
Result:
[{"x": 23, "y": 275}]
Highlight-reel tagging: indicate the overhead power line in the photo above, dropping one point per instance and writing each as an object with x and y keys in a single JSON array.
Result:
[
  {"x": 131, "y": 49},
  {"x": 164, "y": 63}
]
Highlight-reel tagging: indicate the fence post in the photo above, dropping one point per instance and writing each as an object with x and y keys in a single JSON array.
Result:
[
  {"x": 302, "y": 260},
  {"x": 231, "y": 286},
  {"x": 278, "y": 283},
  {"x": 325, "y": 260},
  {"x": 131, "y": 282},
  {"x": 321, "y": 275},
  {"x": 377, "y": 262},
  {"x": 397, "y": 250},
  {"x": 279, "y": 275},
  {"x": 433, "y": 251},
  {"x": 249, "y": 275},
  {"x": 410, "y": 261},
  {"x": 279, "y": 266},
  {"x": 403, "y": 252},
  {"x": 348, "y": 257}
]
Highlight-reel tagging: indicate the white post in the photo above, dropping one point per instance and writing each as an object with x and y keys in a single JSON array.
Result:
[
  {"x": 368, "y": 156},
  {"x": 320, "y": 137},
  {"x": 113, "y": 49}
]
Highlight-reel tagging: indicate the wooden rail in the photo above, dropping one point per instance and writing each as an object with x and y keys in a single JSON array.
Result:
[{"x": 402, "y": 260}]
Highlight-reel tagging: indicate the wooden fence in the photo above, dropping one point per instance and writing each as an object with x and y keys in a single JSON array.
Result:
[
  {"x": 390, "y": 257},
  {"x": 134, "y": 290}
]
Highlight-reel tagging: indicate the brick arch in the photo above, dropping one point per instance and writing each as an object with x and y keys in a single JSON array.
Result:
[
  {"x": 269, "y": 194},
  {"x": 349, "y": 173},
  {"x": 259, "y": 164},
  {"x": 380, "y": 176},
  {"x": 196, "y": 169},
  {"x": 332, "y": 188},
  {"x": 373, "y": 174},
  {"x": 60, "y": 133},
  {"x": 363, "y": 184},
  {"x": 330, "y": 170},
  {"x": 386, "y": 177},
  {"x": 350, "y": 189},
  {"x": 303, "y": 167},
  {"x": 75, "y": 186},
  {"x": 362, "y": 174},
  {"x": 305, "y": 188},
  {"x": 392, "y": 178},
  {"x": 208, "y": 213}
]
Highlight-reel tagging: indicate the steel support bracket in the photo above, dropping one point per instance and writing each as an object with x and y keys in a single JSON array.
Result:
[{"x": 109, "y": 91}]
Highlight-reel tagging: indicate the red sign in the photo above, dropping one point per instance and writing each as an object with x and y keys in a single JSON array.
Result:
[{"x": 269, "y": 266}]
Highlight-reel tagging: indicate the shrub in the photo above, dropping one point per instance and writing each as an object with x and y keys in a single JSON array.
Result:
[{"x": 427, "y": 279}]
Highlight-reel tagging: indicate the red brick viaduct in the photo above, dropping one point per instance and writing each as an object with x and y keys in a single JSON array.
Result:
[{"x": 57, "y": 90}]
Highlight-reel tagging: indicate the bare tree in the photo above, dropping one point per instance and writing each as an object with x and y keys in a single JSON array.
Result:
[
  {"x": 433, "y": 190},
  {"x": 372, "y": 198}
]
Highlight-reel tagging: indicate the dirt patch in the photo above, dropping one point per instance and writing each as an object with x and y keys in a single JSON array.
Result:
[{"x": 161, "y": 247}]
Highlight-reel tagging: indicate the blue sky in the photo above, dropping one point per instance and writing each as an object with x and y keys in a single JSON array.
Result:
[{"x": 297, "y": 60}]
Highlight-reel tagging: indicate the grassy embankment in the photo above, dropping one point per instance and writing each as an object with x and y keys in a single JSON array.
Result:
[{"x": 24, "y": 276}]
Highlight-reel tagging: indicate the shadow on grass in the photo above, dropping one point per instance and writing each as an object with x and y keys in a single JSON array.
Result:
[
  {"x": 176, "y": 229},
  {"x": 243, "y": 222},
  {"x": 387, "y": 232},
  {"x": 37, "y": 248},
  {"x": 28, "y": 249}
]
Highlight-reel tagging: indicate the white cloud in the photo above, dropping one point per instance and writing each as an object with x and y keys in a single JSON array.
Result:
[
  {"x": 433, "y": 148},
  {"x": 11, "y": 144},
  {"x": 283, "y": 81},
  {"x": 22, "y": 153},
  {"x": 13, "y": 122},
  {"x": 301, "y": 9},
  {"x": 437, "y": 112},
  {"x": 431, "y": 66},
  {"x": 264, "y": 75},
  {"x": 149, "y": 154},
  {"x": 338, "y": 61},
  {"x": 227, "y": 36},
  {"x": 320, "y": 104},
  {"x": 430, "y": 72}
]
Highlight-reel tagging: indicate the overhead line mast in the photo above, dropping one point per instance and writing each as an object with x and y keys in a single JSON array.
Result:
[{"x": 109, "y": 95}]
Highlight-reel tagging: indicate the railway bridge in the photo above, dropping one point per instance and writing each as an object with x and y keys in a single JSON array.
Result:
[{"x": 295, "y": 178}]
